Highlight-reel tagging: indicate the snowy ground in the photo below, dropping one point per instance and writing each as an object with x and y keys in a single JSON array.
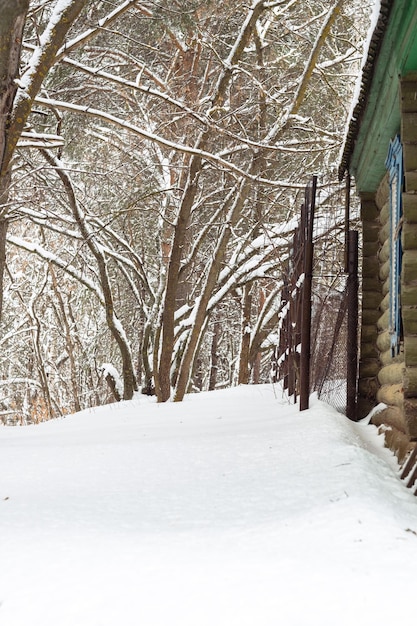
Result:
[{"x": 230, "y": 509}]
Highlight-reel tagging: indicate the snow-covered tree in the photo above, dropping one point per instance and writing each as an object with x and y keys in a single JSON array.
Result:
[{"x": 153, "y": 159}]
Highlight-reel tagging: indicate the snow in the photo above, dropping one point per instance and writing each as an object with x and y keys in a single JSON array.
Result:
[
  {"x": 108, "y": 369},
  {"x": 229, "y": 509}
]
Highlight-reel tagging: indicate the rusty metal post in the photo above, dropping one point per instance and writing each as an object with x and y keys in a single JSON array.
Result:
[
  {"x": 296, "y": 310},
  {"x": 291, "y": 347},
  {"x": 352, "y": 327},
  {"x": 284, "y": 339},
  {"x": 298, "y": 294},
  {"x": 306, "y": 300},
  {"x": 347, "y": 222}
]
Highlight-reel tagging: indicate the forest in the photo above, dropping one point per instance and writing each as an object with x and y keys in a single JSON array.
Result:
[{"x": 153, "y": 159}]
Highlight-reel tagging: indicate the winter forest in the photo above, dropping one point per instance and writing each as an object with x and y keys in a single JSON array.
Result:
[{"x": 153, "y": 157}]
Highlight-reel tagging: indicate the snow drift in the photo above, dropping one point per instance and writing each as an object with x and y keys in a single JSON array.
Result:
[{"x": 229, "y": 509}]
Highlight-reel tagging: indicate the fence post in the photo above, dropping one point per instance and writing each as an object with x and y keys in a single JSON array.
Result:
[
  {"x": 347, "y": 222},
  {"x": 306, "y": 301},
  {"x": 352, "y": 327}
]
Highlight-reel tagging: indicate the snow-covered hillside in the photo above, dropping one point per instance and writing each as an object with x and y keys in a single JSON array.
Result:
[{"x": 229, "y": 509}]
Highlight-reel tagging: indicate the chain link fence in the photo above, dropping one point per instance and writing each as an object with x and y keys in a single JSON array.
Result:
[
  {"x": 332, "y": 317},
  {"x": 329, "y": 364}
]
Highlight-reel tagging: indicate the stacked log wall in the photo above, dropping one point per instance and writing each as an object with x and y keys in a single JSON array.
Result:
[
  {"x": 397, "y": 373},
  {"x": 390, "y": 368},
  {"x": 369, "y": 364},
  {"x": 409, "y": 247}
]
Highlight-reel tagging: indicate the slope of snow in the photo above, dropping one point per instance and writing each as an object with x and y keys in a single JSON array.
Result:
[{"x": 229, "y": 509}]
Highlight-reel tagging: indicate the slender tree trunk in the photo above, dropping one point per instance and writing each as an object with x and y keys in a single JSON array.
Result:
[
  {"x": 148, "y": 387},
  {"x": 214, "y": 357},
  {"x": 256, "y": 369},
  {"x": 243, "y": 377},
  {"x": 163, "y": 389}
]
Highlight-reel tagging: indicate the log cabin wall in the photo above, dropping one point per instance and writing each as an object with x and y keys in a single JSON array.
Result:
[
  {"x": 384, "y": 376},
  {"x": 409, "y": 247},
  {"x": 391, "y": 367}
]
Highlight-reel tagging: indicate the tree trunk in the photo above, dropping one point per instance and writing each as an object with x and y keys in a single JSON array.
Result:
[
  {"x": 203, "y": 300},
  {"x": 243, "y": 378},
  {"x": 214, "y": 357},
  {"x": 163, "y": 387},
  {"x": 63, "y": 16},
  {"x": 12, "y": 22}
]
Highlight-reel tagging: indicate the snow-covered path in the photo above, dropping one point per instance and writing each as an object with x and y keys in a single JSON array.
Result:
[{"x": 229, "y": 509}]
